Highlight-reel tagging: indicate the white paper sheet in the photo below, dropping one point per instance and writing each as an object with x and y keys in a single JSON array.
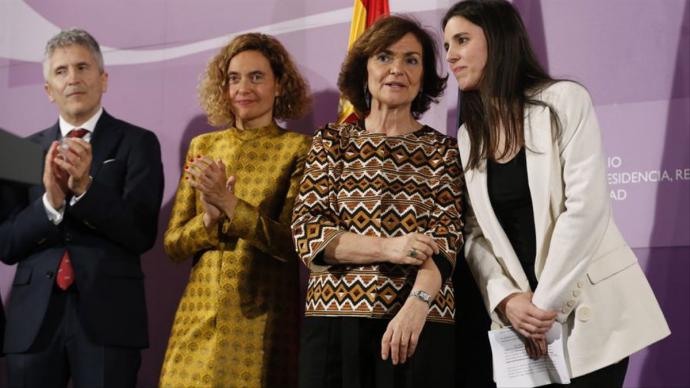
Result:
[{"x": 514, "y": 368}]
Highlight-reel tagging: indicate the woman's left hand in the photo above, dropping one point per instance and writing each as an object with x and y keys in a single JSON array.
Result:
[
  {"x": 536, "y": 347},
  {"x": 210, "y": 179},
  {"x": 402, "y": 335}
]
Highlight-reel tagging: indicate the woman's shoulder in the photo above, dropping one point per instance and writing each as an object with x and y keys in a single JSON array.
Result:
[
  {"x": 435, "y": 136},
  {"x": 207, "y": 137},
  {"x": 293, "y": 136},
  {"x": 296, "y": 141},
  {"x": 564, "y": 92}
]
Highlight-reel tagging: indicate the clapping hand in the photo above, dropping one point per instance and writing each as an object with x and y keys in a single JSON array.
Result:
[
  {"x": 217, "y": 190},
  {"x": 75, "y": 159},
  {"x": 54, "y": 179}
]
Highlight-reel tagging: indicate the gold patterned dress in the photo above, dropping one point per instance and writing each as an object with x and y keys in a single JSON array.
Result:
[{"x": 237, "y": 322}]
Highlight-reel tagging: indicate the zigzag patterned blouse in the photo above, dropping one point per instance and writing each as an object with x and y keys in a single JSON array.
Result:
[{"x": 377, "y": 185}]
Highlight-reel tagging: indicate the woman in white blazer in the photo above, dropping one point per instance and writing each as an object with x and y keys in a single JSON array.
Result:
[{"x": 539, "y": 235}]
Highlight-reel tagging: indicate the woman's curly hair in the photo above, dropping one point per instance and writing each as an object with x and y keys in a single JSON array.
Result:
[{"x": 293, "y": 101}]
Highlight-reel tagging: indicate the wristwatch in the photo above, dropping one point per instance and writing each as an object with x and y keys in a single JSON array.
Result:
[{"x": 423, "y": 295}]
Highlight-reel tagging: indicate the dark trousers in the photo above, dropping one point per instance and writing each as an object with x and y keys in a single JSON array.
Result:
[
  {"x": 62, "y": 351},
  {"x": 345, "y": 352},
  {"x": 2, "y": 325},
  {"x": 473, "y": 352},
  {"x": 611, "y": 376}
]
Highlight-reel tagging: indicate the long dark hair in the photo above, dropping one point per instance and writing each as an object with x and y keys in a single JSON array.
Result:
[{"x": 512, "y": 77}]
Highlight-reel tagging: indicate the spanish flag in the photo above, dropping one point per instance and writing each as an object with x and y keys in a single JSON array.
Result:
[{"x": 364, "y": 14}]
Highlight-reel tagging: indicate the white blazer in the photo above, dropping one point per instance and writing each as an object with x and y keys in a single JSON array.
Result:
[{"x": 586, "y": 271}]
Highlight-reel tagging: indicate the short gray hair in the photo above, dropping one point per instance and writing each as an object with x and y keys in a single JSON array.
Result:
[{"x": 71, "y": 37}]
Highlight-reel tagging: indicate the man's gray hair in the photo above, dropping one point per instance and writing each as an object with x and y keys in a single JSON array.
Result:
[{"x": 71, "y": 37}]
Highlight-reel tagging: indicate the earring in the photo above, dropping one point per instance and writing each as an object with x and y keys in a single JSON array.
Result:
[{"x": 367, "y": 96}]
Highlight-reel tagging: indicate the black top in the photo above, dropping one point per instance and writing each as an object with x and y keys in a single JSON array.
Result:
[{"x": 510, "y": 198}]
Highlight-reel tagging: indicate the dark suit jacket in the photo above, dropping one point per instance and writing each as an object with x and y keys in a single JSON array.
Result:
[
  {"x": 2, "y": 325},
  {"x": 105, "y": 232},
  {"x": 10, "y": 193}
]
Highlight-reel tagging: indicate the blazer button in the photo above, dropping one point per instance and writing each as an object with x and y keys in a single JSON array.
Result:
[
  {"x": 583, "y": 313},
  {"x": 68, "y": 237},
  {"x": 570, "y": 303},
  {"x": 580, "y": 283},
  {"x": 576, "y": 293},
  {"x": 49, "y": 274}
]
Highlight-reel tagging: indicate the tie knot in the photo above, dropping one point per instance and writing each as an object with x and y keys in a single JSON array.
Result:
[{"x": 77, "y": 132}]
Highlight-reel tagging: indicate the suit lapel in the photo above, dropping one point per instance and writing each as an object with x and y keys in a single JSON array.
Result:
[
  {"x": 476, "y": 184},
  {"x": 106, "y": 138},
  {"x": 539, "y": 153},
  {"x": 48, "y": 136},
  {"x": 44, "y": 139}
]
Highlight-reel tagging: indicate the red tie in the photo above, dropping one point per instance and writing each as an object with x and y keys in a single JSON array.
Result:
[
  {"x": 77, "y": 132},
  {"x": 65, "y": 275}
]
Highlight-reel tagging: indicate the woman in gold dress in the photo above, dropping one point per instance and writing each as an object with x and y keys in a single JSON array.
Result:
[{"x": 237, "y": 322}]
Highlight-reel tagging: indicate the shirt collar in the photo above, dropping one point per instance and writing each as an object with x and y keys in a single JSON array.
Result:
[{"x": 89, "y": 125}]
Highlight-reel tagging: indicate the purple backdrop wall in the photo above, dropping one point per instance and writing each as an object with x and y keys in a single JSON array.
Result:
[{"x": 631, "y": 54}]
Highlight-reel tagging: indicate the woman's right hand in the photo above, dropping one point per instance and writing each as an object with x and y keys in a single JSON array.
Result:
[
  {"x": 211, "y": 213},
  {"x": 194, "y": 170},
  {"x": 412, "y": 249},
  {"x": 526, "y": 318}
]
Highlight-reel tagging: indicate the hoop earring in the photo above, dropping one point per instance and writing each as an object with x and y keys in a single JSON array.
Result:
[{"x": 367, "y": 96}]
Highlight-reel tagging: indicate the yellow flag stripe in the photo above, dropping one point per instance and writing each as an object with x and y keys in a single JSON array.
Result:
[{"x": 359, "y": 22}]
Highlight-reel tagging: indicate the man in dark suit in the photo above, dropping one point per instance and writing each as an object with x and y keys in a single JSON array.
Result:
[{"x": 77, "y": 308}]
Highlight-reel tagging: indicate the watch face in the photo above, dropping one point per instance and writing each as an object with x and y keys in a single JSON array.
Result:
[{"x": 422, "y": 295}]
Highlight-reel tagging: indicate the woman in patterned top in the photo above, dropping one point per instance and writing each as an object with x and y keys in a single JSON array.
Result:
[
  {"x": 377, "y": 222},
  {"x": 237, "y": 322}
]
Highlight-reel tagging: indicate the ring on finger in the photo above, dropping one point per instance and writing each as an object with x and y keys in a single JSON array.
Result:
[{"x": 412, "y": 253}]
